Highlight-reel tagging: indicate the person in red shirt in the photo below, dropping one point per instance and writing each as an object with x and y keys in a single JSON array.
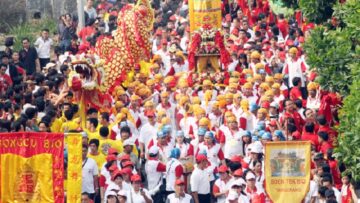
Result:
[
  {"x": 309, "y": 134},
  {"x": 324, "y": 142},
  {"x": 5, "y": 80},
  {"x": 295, "y": 92},
  {"x": 334, "y": 169},
  {"x": 323, "y": 126},
  {"x": 256, "y": 195},
  {"x": 290, "y": 113},
  {"x": 347, "y": 190}
]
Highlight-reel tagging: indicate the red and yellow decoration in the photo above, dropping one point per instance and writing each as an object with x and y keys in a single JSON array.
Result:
[
  {"x": 32, "y": 167},
  {"x": 287, "y": 170},
  {"x": 74, "y": 176},
  {"x": 131, "y": 43},
  {"x": 204, "y": 13}
]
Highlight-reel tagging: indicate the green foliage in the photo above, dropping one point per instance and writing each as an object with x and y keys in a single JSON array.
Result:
[
  {"x": 278, "y": 7},
  {"x": 328, "y": 53},
  {"x": 318, "y": 11},
  {"x": 290, "y": 3},
  {"x": 31, "y": 30},
  {"x": 348, "y": 151}
]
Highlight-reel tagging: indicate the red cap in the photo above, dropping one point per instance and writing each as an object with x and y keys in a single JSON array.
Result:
[
  {"x": 100, "y": 7},
  {"x": 289, "y": 42},
  {"x": 173, "y": 33},
  {"x": 238, "y": 172},
  {"x": 236, "y": 158},
  {"x": 135, "y": 178},
  {"x": 116, "y": 174},
  {"x": 127, "y": 163},
  {"x": 164, "y": 41},
  {"x": 124, "y": 157},
  {"x": 282, "y": 55},
  {"x": 222, "y": 169},
  {"x": 179, "y": 182},
  {"x": 301, "y": 39},
  {"x": 158, "y": 32},
  {"x": 273, "y": 123},
  {"x": 137, "y": 67},
  {"x": 113, "y": 167},
  {"x": 201, "y": 157},
  {"x": 150, "y": 113},
  {"x": 265, "y": 105},
  {"x": 110, "y": 157},
  {"x": 172, "y": 18},
  {"x": 112, "y": 151},
  {"x": 127, "y": 171},
  {"x": 114, "y": 13}
]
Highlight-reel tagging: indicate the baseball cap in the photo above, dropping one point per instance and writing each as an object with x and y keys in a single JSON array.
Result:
[
  {"x": 233, "y": 195},
  {"x": 112, "y": 151},
  {"x": 179, "y": 182},
  {"x": 239, "y": 172},
  {"x": 124, "y": 157},
  {"x": 238, "y": 182},
  {"x": 110, "y": 157},
  {"x": 201, "y": 131},
  {"x": 154, "y": 150},
  {"x": 222, "y": 169},
  {"x": 122, "y": 193},
  {"x": 179, "y": 133},
  {"x": 128, "y": 142},
  {"x": 256, "y": 148},
  {"x": 135, "y": 178},
  {"x": 201, "y": 157},
  {"x": 250, "y": 176}
]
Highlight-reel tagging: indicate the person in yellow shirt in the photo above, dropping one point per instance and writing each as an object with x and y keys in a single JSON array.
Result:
[
  {"x": 69, "y": 124},
  {"x": 95, "y": 154},
  {"x": 106, "y": 143},
  {"x": 125, "y": 134},
  {"x": 91, "y": 126}
]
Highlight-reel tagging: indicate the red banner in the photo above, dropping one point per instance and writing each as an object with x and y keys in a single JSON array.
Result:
[{"x": 32, "y": 167}]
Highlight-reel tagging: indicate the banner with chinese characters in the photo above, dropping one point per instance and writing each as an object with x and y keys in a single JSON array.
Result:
[
  {"x": 287, "y": 170},
  {"x": 32, "y": 167},
  {"x": 74, "y": 174},
  {"x": 204, "y": 12}
]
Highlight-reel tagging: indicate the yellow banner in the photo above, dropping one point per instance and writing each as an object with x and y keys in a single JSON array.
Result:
[
  {"x": 27, "y": 179},
  {"x": 74, "y": 174},
  {"x": 287, "y": 170},
  {"x": 204, "y": 12}
]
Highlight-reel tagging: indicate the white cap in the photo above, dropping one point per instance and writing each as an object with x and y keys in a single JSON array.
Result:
[
  {"x": 128, "y": 142},
  {"x": 274, "y": 104},
  {"x": 238, "y": 182},
  {"x": 256, "y": 148},
  {"x": 122, "y": 193},
  {"x": 233, "y": 195},
  {"x": 249, "y": 176},
  {"x": 111, "y": 192},
  {"x": 154, "y": 150}
]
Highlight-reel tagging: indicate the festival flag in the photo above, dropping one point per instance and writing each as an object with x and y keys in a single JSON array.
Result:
[
  {"x": 204, "y": 12},
  {"x": 32, "y": 167},
  {"x": 287, "y": 170},
  {"x": 74, "y": 170}
]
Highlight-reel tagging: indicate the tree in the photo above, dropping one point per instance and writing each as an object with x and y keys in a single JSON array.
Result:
[
  {"x": 334, "y": 53},
  {"x": 317, "y": 11}
]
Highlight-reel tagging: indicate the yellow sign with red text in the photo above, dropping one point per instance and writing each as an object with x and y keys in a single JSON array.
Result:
[
  {"x": 74, "y": 171},
  {"x": 204, "y": 12},
  {"x": 31, "y": 167},
  {"x": 287, "y": 170}
]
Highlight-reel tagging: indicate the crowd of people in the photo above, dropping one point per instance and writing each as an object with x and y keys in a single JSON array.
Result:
[{"x": 194, "y": 137}]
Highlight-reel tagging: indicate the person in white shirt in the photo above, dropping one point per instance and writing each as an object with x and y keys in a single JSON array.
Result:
[
  {"x": 327, "y": 181},
  {"x": 137, "y": 193},
  {"x": 43, "y": 45},
  {"x": 90, "y": 183},
  {"x": 179, "y": 196},
  {"x": 147, "y": 132},
  {"x": 90, "y": 10},
  {"x": 199, "y": 181},
  {"x": 174, "y": 170}
]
